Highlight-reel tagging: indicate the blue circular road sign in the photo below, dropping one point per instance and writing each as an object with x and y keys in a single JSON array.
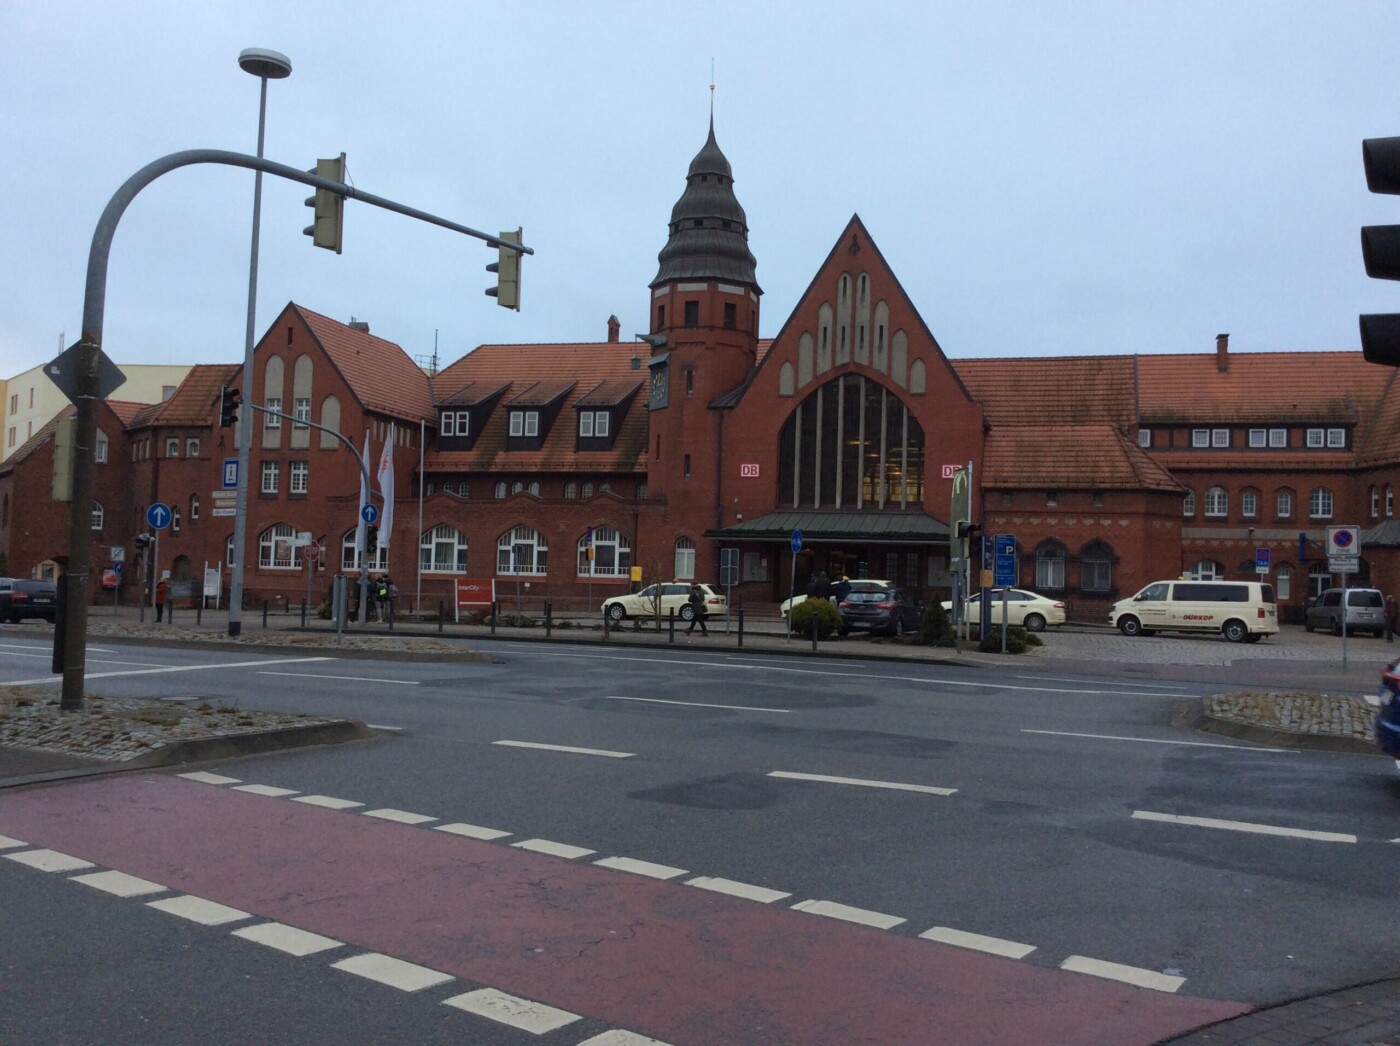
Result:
[
  {"x": 158, "y": 515},
  {"x": 797, "y": 541},
  {"x": 369, "y": 513}
]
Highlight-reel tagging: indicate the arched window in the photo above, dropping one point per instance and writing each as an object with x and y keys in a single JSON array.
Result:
[
  {"x": 1375, "y": 502},
  {"x": 229, "y": 559},
  {"x": 1284, "y": 504},
  {"x": 534, "y": 489},
  {"x": 588, "y": 490},
  {"x": 501, "y": 489},
  {"x": 1320, "y": 503},
  {"x": 194, "y": 507},
  {"x": 1249, "y": 504},
  {"x": 443, "y": 550},
  {"x": 570, "y": 490},
  {"x": 1188, "y": 504},
  {"x": 1096, "y": 568},
  {"x": 685, "y": 559},
  {"x": 98, "y": 516},
  {"x": 1389, "y": 501},
  {"x": 350, "y": 560},
  {"x": 1217, "y": 502},
  {"x": 463, "y": 491},
  {"x": 612, "y": 555},
  {"x": 1050, "y": 566},
  {"x": 1208, "y": 570},
  {"x": 517, "y": 487},
  {"x": 522, "y": 550},
  {"x": 275, "y": 547},
  {"x": 1319, "y": 579},
  {"x": 852, "y": 443},
  {"x": 1283, "y": 578}
]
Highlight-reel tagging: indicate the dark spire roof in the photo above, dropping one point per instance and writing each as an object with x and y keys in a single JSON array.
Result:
[{"x": 709, "y": 233}]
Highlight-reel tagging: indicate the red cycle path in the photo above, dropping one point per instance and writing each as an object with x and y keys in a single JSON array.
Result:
[{"x": 682, "y": 964}]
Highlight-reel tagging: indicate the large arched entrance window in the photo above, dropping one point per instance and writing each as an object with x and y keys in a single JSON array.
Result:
[
  {"x": 522, "y": 550},
  {"x": 851, "y": 444}
]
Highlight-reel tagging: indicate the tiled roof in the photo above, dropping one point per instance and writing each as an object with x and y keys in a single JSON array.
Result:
[
  {"x": 124, "y": 410},
  {"x": 1380, "y": 443},
  {"x": 472, "y": 393},
  {"x": 609, "y": 393},
  {"x": 1075, "y": 457},
  {"x": 540, "y": 393},
  {"x": 193, "y": 401},
  {"x": 379, "y": 372},
  {"x": 1067, "y": 390}
]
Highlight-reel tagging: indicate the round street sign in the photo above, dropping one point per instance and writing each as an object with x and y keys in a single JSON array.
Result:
[
  {"x": 158, "y": 515},
  {"x": 797, "y": 541},
  {"x": 369, "y": 513},
  {"x": 313, "y": 551}
]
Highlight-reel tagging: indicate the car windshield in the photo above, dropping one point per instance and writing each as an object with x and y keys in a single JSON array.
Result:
[{"x": 870, "y": 596}]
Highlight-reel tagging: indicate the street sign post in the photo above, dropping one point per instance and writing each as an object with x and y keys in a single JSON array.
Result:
[
  {"x": 728, "y": 577},
  {"x": 1343, "y": 549},
  {"x": 1262, "y": 558},
  {"x": 796, "y": 544},
  {"x": 158, "y": 515}
]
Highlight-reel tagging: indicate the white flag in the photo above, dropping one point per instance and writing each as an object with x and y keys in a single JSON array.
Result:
[
  {"x": 386, "y": 488},
  {"x": 364, "y": 500}
]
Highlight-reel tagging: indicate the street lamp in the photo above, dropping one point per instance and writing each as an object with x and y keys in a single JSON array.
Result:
[{"x": 265, "y": 65}]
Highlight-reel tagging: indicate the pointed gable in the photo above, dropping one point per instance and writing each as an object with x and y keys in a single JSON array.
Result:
[{"x": 378, "y": 372}]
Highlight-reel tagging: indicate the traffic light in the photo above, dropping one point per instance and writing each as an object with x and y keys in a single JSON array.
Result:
[
  {"x": 1380, "y": 247},
  {"x": 507, "y": 270},
  {"x": 371, "y": 539},
  {"x": 327, "y": 225},
  {"x": 143, "y": 541},
  {"x": 967, "y": 529},
  {"x": 229, "y": 401}
]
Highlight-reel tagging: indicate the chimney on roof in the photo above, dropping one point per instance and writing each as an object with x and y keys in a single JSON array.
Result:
[
  {"x": 614, "y": 329},
  {"x": 1222, "y": 353},
  {"x": 359, "y": 325}
]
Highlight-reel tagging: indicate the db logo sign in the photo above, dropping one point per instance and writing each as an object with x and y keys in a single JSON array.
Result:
[{"x": 748, "y": 472}]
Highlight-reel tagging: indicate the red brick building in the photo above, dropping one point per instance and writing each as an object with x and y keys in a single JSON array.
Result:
[{"x": 555, "y": 469}]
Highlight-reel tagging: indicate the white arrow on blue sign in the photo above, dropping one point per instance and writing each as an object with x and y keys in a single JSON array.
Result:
[
  {"x": 369, "y": 513},
  {"x": 797, "y": 541},
  {"x": 158, "y": 515}
]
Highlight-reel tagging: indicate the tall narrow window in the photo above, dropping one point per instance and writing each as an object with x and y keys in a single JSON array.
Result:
[
  {"x": 685, "y": 559},
  {"x": 692, "y": 314}
]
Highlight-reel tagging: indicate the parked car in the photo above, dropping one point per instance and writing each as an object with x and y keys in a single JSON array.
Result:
[
  {"x": 673, "y": 595},
  {"x": 21, "y": 598},
  {"x": 1241, "y": 611},
  {"x": 865, "y": 584},
  {"x": 1030, "y": 610},
  {"x": 875, "y": 608},
  {"x": 1365, "y": 611},
  {"x": 1388, "y": 718}
]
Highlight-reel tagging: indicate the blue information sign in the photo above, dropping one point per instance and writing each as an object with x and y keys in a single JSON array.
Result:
[
  {"x": 1004, "y": 565},
  {"x": 369, "y": 513},
  {"x": 158, "y": 515},
  {"x": 797, "y": 541},
  {"x": 230, "y": 473},
  {"x": 1261, "y": 560}
]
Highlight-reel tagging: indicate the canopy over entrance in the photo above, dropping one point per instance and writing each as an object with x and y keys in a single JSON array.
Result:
[{"x": 885, "y": 528}]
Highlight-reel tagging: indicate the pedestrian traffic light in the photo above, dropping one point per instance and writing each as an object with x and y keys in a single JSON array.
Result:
[
  {"x": 326, "y": 226},
  {"x": 371, "y": 538},
  {"x": 1380, "y": 248},
  {"x": 229, "y": 402},
  {"x": 507, "y": 270}
]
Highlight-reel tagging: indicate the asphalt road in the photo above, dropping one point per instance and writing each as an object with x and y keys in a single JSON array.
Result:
[{"x": 1028, "y": 807}]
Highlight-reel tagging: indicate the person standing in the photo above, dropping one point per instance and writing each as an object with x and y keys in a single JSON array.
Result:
[
  {"x": 823, "y": 586},
  {"x": 696, "y": 599},
  {"x": 841, "y": 590},
  {"x": 1392, "y": 617},
  {"x": 162, "y": 596},
  {"x": 393, "y": 594}
]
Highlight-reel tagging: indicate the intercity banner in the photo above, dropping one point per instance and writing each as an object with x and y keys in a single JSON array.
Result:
[{"x": 475, "y": 592}]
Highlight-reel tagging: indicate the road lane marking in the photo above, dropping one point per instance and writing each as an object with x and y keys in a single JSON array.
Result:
[
  {"x": 287, "y": 939},
  {"x": 8, "y": 842},
  {"x": 471, "y": 831},
  {"x": 545, "y": 846},
  {"x": 512, "y": 1010},
  {"x": 348, "y": 679},
  {"x": 198, "y": 910},
  {"x": 330, "y": 802},
  {"x": 1114, "y": 971},
  {"x": 628, "y": 864},
  {"x": 978, "y": 942},
  {"x": 618, "y": 1037},
  {"x": 897, "y": 786},
  {"x": 736, "y": 889},
  {"x": 388, "y": 729},
  {"x": 832, "y": 910},
  {"x": 268, "y": 790},
  {"x": 204, "y": 777},
  {"x": 50, "y": 861},
  {"x": 120, "y": 884},
  {"x": 401, "y": 816},
  {"x": 565, "y": 748},
  {"x": 1245, "y": 826},
  {"x": 699, "y": 704},
  {"x": 1160, "y": 686},
  {"x": 223, "y": 667},
  {"x": 396, "y": 973},
  {"x": 1158, "y": 741}
]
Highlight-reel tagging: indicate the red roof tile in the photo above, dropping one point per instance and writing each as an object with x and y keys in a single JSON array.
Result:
[
  {"x": 1068, "y": 390},
  {"x": 379, "y": 372},
  {"x": 1075, "y": 457},
  {"x": 193, "y": 400}
]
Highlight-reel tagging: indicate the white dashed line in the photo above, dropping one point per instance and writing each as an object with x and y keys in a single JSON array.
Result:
[
  {"x": 198, "y": 910},
  {"x": 735, "y": 889},
  {"x": 1118, "y": 972},
  {"x": 565, "y": 748},
  {"x": 287, "y": 938},
  {"x": 347, "y": 679},
  {"x": 177, "y": 668},
  {"x": 396, "y": 973},
  {"x": 120, "y": 884},
  {"x": 50, "y": 861},
  {"x": 700, "y": 704},
  {"x": 544, "y": 846},
  {"x": 627, "y": 864},
  {"x": 618, "y": 1037},
  {"x": 401, "y": 816},
  {"x": 534, "y": 1017},
  {"x": 6, "y": 842},
  {"x": 1245, "y": 826},
  {"x": 330, "y": 802},
  {"x": 471, "y": 831},
  {"x": 203, "y": 777},
  {"x": 1159, "y": 741},
  {"x": 832, "y": 910},
  {"x": 267, "y": 790},
  {"x": 823, "y": 778},
  {"x": 977, "y": 942}
]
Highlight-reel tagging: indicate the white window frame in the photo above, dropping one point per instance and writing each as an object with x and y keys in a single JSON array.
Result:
[
  {"x": 299, "y": 479},
  {"x": 272, "y": 421},
  {"x": 172, "y": 447},
  {"x": 619, "y": 552},
  {"x": 525, "y": 423},
  {"x": 1144, "y": 437},
  {"x": 302, "y": 410},
  {"x": 1217, "y": 503},
  {"x": 1219, "y": 437},
  {"x": 448, "y": 424},
  {"x": 1258, "y": 438},
  {"x": 1389, "y": 501},
  {"x": 1200, "y": 437},
  {"x": 267, "y": 547},
  {"x": 1283, "y": 504},
  {"x": 585, "y": 424},
  {"x": 1208, "y": 570},
  {"x": 1375, "y": 502},
  {"x": 522, "y": 551},
  {"x": 194, "y": 507},
  {"x": 192, "y": 447},
  {"x": 1320, "y": 503},
  {"x": 1249, "y": 504},
  {"x": 99, "y": 515},
  {"x": 570, "y": 490},
  {"x": 1188, "y": 504},
  {"x": 1050, "y": 567},
  {"x": 271, "y": 474},
  {"x": 1316, "y": 437},
  {"x": 350, "y": 557},
  {"x": 1337, "y": 438},
  {"x": 600, "y": 423},
  {"x": 1283, "y": 582},
  {"x": 443, "y": 550},
  {"x": 1278, "y": 438},
  {"x": 685, "y": 559},
  {"x": 500, "y": 488},
  {"x": 99, "y": 455}
]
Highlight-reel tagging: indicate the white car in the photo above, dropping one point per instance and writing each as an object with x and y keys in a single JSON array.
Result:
[
  {"x": 1031, "y": 611},
  {"x": 864, "y": 584},
  {"x": 673, "y": 595}
]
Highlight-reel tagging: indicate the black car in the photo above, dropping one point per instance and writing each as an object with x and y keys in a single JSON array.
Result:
[
  {"x": 890, "y": 610},
  {"x": 21, "y": 598}
]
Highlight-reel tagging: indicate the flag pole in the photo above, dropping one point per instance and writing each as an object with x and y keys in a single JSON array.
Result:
[{"x": 418, "y": 595}]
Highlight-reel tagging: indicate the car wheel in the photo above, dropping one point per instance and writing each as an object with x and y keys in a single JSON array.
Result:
[
  {"x": 687, "y": 613},
  {"x": 1235, "y": 631},
  {"x": 1130, "y": 626},
  {"x": 616, "y": 612},
  {"x": 1035, "y": 623},
  {"x": 1336, "y": 626},
  {"x": 1307, "y": 624},
  {"x": 898, "y": 627}
]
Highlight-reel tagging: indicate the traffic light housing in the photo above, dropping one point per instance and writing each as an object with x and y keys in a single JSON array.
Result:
[
  {"x": 143, "y": 541},
  {"x": 968, "y": 529},
  {"x": 327, "y": 225},
  {"x": 507, "y": 270},
  {"x": 230, "y": 399},
  {"x": 1380, "y": 249},
  {"x": 371, "y": 538}
]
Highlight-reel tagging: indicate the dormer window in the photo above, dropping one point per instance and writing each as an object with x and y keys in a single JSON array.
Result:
[
  {"x": 455, "y": 423},
  {"x": 593, "y": 423},
  {"x": 524, "y": 423}
]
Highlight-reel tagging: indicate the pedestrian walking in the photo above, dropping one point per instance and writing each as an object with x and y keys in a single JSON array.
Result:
[
  {"x": 1392, "y": 617},
  {"x": 381, "y": 598},
  {"x": 393, "y": 594},
  {"x": 841, "y": 590},
  {"x": 162, "y": 595},
  {"x": 696, "y": 599}
]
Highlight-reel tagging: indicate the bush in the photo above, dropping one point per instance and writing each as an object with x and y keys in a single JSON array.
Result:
[
  {"x": 324, "y": 611},
  {"x": 934, "y": 627},
  {"x": 1018, "y": 641},
  {"x": 823, "y": 611}
]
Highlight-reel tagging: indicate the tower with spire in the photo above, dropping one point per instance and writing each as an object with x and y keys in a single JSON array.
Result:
[{"x": 703, "y": 336}]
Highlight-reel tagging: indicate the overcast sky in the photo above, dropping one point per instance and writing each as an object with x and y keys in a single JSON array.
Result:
[{"x": 1045, "y": 178}]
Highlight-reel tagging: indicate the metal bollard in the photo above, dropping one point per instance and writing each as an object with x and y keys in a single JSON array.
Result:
[
  {"x": 548, "y": 619},
  {"x": 495, "y": 613},
  {"x": 671, "y": 624},
  {"x": 170, "y": 612},
  {"x": 606, "y": 626},
  {"x": 199, "y": 612},
  {"x": 303, "y": 613},
  {"x": 442, "y": 615},
  {"x": 264, "y": 613},
  {"x": 741, "y": 626},
  {"x": 814, "y": 631}
]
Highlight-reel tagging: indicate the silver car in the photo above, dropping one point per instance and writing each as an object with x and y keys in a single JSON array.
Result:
[{"x": 1365, "y": 611}]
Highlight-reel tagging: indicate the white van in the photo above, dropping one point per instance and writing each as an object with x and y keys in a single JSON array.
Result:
[{"x": 1241, "y": 611}]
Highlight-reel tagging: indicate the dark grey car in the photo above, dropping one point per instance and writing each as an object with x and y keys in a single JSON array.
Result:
[
  {"x": 890, "y": 610},
  {"x": 21, "y": 598}
]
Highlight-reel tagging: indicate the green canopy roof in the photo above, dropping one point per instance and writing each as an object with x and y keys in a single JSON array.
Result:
[{"x": 889, "y": 528}]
